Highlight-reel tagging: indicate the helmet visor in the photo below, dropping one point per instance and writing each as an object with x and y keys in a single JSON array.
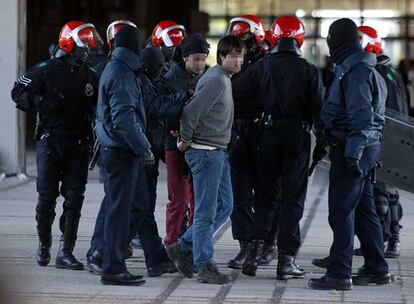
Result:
[{"x": 86, "y": 36}]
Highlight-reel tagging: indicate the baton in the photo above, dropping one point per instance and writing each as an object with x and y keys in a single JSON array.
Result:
[{"x": 95, "y": 157}]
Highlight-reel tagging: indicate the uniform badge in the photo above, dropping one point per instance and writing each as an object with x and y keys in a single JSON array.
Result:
[{"x": 89, "y": 90}]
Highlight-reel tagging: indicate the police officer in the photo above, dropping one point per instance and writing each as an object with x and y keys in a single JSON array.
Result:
[
  {"x": 62, "y": 92},
  {"x": 143, "y": 205},
  {"x": 290, "y": 91},
  {"x": 120, "y": 127},
  {"x": 157, "y": 107},
  {"x": 168, "y": 35},
  {"x": 387, "y": 198},
  {"x": 353, "y": 116},
  {"x": 244, "y": 140},
  {"x": 94, "y": 255}
]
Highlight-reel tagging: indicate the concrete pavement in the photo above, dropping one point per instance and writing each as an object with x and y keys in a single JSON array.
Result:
[{"x": 30, "y": 283}]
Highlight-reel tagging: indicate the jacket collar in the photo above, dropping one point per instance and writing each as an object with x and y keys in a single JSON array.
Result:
[
  {"x": 179, "y": 71},
  {"x": 383, "y": 59},
  {"x": 287, "y": 45},
  {"x": 127, "y": 56},
  {"x": 354, "y": 59}
]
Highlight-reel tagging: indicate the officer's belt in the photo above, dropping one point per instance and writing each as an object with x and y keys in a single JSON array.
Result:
[
  {"x": 238, "y": 122},
  {"x": 66, "y": 133}
]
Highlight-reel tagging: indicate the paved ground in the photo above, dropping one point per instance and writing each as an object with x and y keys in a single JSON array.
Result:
[{"x": 32, "y": 284}]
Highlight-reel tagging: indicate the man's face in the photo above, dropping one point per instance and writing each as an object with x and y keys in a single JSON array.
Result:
[
  {"x": 232, "y": 63},
  {"x": 195, "y": 63}
]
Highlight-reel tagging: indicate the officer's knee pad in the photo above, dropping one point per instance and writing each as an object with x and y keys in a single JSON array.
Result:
[
  {"x": 381, "y": 203},
  {"x": 73, "y": 201},
  {"x": 46, "y": 207}
]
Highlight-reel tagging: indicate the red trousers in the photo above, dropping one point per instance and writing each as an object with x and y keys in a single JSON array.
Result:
[{"x": 180, "y": 196}]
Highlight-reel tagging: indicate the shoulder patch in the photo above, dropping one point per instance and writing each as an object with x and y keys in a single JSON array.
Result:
[
  {"x": 42, "y": 64},
  {"x": 390, "y": 76}
]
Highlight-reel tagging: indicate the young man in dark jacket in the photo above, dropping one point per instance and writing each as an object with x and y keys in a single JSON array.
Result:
[
  {"x": 121, "y": 124},
  {"x": 353, "y": 118},
  {"x": 181, "y": 76}
]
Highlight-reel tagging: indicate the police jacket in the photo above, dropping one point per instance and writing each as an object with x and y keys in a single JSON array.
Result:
[
  {"x": 157, "y": 108},
  {"x": 177, "y": 79},
  {"x": 120, "y": 114},
  {"x": 244, "y": 107},
  {"x": 397, "y": 96},
  {"x": 284, "y": 84},
  {"x": 353, "y": 110},
  {"x": 61, "y": 94}
]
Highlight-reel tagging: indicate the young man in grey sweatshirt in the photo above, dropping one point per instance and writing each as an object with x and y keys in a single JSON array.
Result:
[{"x": 205, "y": 131}]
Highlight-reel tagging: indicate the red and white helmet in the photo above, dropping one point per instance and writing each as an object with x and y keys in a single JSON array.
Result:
[
  {"x": 288, "y": 27},
  {"x": 167, "y": 33},
  {"x": 242, "y": 25},
  {"x": 369, "y": 39},
  {"x": 114, "y": 28},
  {"x": 79, "y": 33}
]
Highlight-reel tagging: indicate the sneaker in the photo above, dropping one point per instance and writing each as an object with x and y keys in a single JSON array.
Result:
[{"x": 210, "y": 274}]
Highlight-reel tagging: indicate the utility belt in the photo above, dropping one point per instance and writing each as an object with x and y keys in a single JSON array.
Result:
[
  {"x": 268, "y": 121},
  {"x": 239, "y": 123},
  {"x": 81, "y": 134}
]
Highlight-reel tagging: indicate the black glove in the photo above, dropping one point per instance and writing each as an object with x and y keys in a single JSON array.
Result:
[
  {"x": 352, "y": 165},
  {"x": 320, "y": 151},
  {"x": 147, "y": 159}
]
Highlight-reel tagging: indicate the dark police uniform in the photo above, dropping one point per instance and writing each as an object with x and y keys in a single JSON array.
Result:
[
  {"x": 63, "y": 95},
  {"x": 290, "y": 92},
  {"x": 242, "y": 153},
  {"x": 386, "y": 198},
  {"x": 143, "y": 205},
  {"x": 121, "y": 122},
  {"x": 353, "y": 114}
]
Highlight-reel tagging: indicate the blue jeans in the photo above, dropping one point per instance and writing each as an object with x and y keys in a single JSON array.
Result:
[{"x": 213, "y": 198}]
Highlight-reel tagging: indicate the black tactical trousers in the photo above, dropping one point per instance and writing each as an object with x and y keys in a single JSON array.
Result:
[
  {"x": 282, "y": 171},
  {"x": 62, "y": 168}
]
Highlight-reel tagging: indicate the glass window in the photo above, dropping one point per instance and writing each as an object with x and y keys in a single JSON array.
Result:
[
  {"x": 387, "y": 27},
  {"x": 217, "y": 27},
  {"x": 257, "y": 7},
  {"x": 213, "y": 7},
  {"x": 299, "y": 8},
  {"x": 211, "y": 59},
  {"x": 234, "y": 7},
  {"x": 338, "y": 9},
  {"x": 383, "y": 8},
  {"x": 395, "y": 49}
]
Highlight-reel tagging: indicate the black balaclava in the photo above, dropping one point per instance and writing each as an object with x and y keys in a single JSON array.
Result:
[
  {"x": 128, "y": 37},
  {"x": 78, "y": 56},
  {"x": 153, "y": 61},
  {"x": 342, "y": 40}
]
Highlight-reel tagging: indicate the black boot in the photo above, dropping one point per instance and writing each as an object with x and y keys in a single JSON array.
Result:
[
  {"x": 94, "y": 263},
  {"x": 393, "y": 248},
  {"x": 238, "y": 260},
  {"x": 287, "y": 269},
  {"x": 254, "y": 253},
  {"x": 43, "y": 253},
  {"x": 269, "y": 253},
  {"x": 44, "y": 222},
  {"x": 321, "y": 263},
  {"x": 65, "y": 258}
]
